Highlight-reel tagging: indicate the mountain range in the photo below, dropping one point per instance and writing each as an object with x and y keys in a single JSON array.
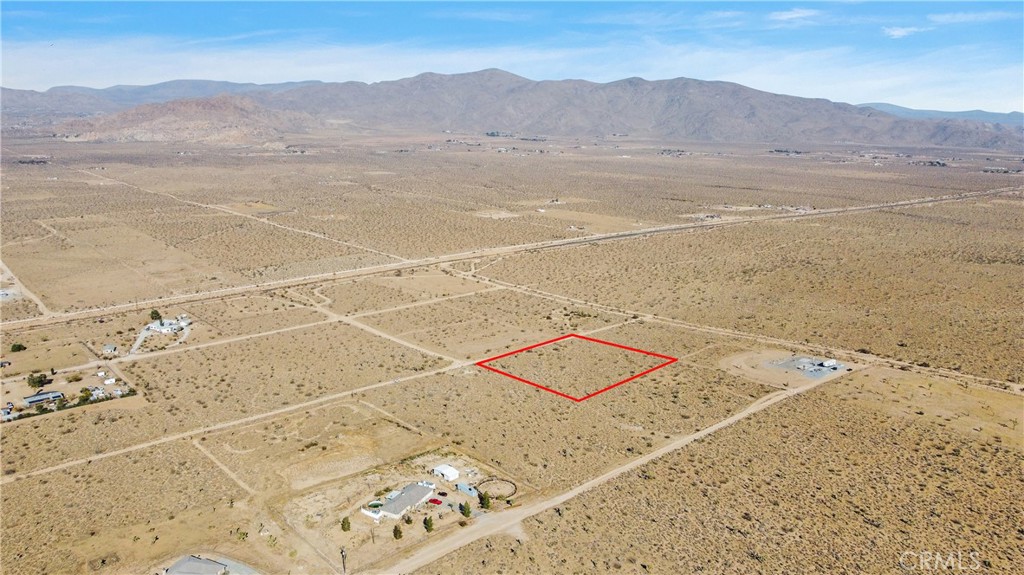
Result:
[
  {"x": 492, "y": 100},
  {"x": 1009, "y": 118}
]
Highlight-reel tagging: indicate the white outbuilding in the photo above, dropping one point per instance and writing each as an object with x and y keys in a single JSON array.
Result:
[{"x": 447, "y": 472}]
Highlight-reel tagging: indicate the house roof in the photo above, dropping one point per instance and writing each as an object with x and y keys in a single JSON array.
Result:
[
  {"x": 192, "y": 565},
  {"x": 412, "y": 495},
  {"x": 446, "y": 470},
  {"x": 44, "y": 396}
]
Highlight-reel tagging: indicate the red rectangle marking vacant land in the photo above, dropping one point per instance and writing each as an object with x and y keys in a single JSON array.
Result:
[{"x": 572, "y": 336}]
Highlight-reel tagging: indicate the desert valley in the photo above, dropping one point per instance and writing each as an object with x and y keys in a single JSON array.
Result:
[{"x": 311, "y": 329}]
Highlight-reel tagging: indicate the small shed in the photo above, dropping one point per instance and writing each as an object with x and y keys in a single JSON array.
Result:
[
  {"x": 447, "y": 472},
  {"x": 467, "y": 489},
  {"x": 109, "y": 349}
]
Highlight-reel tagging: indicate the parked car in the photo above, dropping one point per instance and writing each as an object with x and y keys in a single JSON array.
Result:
[
  {"x": 434, "y": 501},
  {"x": 443, "y": 494}
]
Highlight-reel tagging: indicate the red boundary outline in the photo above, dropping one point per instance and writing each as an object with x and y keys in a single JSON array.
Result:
[{"x": 669, "y": 360}]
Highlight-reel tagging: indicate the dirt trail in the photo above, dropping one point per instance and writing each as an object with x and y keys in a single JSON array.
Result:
[
  {"x": 495, "y": 523},
  {"x": 815, "y": 349},
  {"x": 25, "y": 292},
  {"x": 243, "y": 215},
  {"x": 228, "y": 424},
  {"x": 404, "y": 264}
]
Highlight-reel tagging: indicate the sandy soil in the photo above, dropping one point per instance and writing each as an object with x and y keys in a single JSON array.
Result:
[
  {"x": 293, "y": 403},
  {"x": 829, "y": 485}
]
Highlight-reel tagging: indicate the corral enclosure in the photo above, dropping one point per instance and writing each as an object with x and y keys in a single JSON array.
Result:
[{"x": 341, "y": 298}]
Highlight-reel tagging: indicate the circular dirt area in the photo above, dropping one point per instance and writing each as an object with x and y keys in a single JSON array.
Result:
[{"x": 496, "y": 487}]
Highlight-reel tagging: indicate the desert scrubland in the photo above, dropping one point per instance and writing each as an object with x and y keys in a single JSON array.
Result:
[
  {"x": 939, "y": 296},
  {"x": 832, "y": 481},
  {"x": 340, "y": 298}
]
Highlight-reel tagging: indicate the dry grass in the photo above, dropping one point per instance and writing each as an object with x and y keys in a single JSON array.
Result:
[
  {"x": 312, "y": 447},
  {"x": 552, "y": 442},
  {"x": 842, "y": 479},
  {"x": 908, "y": 284},
  {"x": 201, "y": 387},
  {"x": 822, "y": 484},
  {"x": 136, "y": 491},
  {"x": 392, "y": 290},
  {"x": 576, "y": 367},
  {"x": 488, "y": 323}
]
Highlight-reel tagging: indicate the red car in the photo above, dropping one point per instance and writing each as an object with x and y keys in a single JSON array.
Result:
[{"x": 435, "y": 501}]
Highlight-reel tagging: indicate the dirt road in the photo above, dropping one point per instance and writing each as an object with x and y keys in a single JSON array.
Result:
[
  {"x": 494, "y": 523},
  {"x": 228, "y": 424},
  {"x": 475, "y": 254}
]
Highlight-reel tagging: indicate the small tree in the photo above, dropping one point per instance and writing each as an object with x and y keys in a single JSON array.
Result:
[
  {"x": 485, "y": 500},
  {"x": 37, "y": 380},
  {"x": 428, "y": 523},
  {"x": 346, "y": 525},
  {"x": 18, "y": 347},
  {"x": 465, "y": 509},
  {"x": 407, "y": 519},
  {"x": 155, "y": 315},
  {"x": 396, "y": 532}
]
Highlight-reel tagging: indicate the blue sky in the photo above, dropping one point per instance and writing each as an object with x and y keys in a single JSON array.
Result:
[{"x": 940, "y": 55}]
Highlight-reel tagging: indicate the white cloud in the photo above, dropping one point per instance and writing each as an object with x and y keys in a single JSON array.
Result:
[
  {"x": 722, "y": 19},
  {"x": 796, "y": 14},
  {"x": 972, "y": 17},
  {"x": 896, "y": 32},
  {"x": 487, "y": 15},
  {"x": 641, "y": 19}
]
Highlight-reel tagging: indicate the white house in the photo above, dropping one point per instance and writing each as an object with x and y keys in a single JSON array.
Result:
[
  {"x": 411, "y": 496},
  {"x": 447, "y": 472}
]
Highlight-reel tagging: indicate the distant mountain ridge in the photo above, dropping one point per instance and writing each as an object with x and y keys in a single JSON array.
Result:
[
  {"x": 1009, "y": 118},
  {"x": 493, "y": 100},
  {"x": 224, "y": 119},
  {"x": 129, "y": 96}
]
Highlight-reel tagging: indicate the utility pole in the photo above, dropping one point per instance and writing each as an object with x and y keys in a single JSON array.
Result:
[{"x": 344, "y": 556}]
